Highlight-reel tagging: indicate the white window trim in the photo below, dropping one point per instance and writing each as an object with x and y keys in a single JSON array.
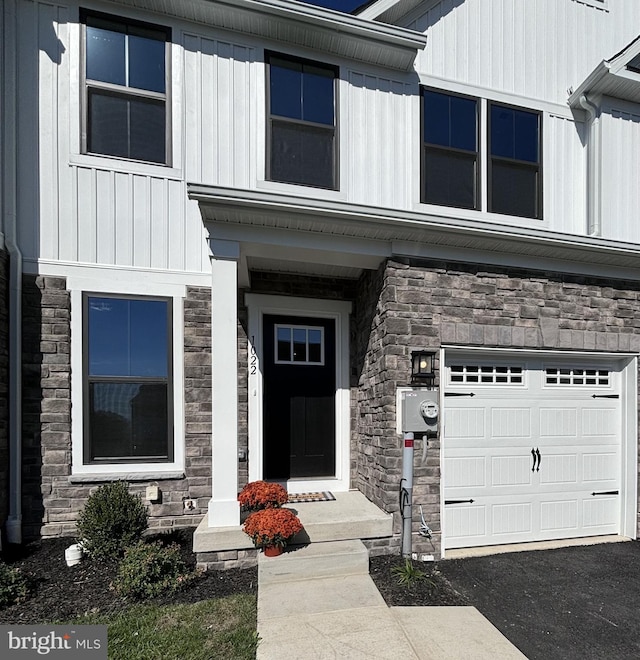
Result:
[
  {"x": 77, "y": 286},
  {"x": 258, "y": 305}
]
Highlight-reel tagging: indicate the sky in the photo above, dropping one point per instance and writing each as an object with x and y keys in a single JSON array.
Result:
[{"x": 346, "y": 6}]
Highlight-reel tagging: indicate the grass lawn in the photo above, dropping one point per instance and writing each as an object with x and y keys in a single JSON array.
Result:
[{"x": 222, "y": 628}]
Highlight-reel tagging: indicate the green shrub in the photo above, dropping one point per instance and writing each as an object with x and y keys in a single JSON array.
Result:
[
  {"x": 407, "y": 574},
  {"x": 13, "y": 585},
  {"x": 150, "y": 569},
  {"x": 112, "y": 520}
]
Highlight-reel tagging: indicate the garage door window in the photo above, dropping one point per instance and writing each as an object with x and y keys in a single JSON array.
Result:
[
  {"x": 486, "y": 374},
  {"x": 587, "y": 377}
]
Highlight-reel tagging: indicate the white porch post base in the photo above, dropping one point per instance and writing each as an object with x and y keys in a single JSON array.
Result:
[{"x": 224, "y": 513}]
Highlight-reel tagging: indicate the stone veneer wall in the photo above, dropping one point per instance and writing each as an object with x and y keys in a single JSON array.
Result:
[
  {"x": 411, "y": 304},
  {"x": 51, "y": 500},
  {"x": 4, "y": 386}
]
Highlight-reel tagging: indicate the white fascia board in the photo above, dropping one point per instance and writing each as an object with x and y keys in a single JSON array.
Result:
[
  {"x": 237, "y": 206},
  {"x": 390, "y": 11},
  {"x": 271, "y": 238},
  {"x": 302, "y": 24}
]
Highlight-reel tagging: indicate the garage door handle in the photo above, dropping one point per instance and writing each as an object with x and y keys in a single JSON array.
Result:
[
  {"x": 536, "y": 456},
  {"x": 607, "y": 492}
]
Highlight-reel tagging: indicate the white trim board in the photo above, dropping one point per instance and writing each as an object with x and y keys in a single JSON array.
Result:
[{"x": 258, "y": 305}]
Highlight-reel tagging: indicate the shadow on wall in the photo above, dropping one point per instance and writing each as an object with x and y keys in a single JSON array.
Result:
[{"x": 4, "y": 387}]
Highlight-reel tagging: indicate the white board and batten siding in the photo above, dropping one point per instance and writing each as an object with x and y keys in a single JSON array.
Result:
[
  {"x": 83, "y": 209},
  {"x": 532, "y": 450},
  {"x": 620, "y": 205},
  {"x": 529, "y": 48}
]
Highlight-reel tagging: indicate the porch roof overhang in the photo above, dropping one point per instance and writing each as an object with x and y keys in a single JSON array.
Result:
[
  {"x": 308, "y": 231},
  {"x": 612, "y": 78},
  {"x": 299, "y": 24}
]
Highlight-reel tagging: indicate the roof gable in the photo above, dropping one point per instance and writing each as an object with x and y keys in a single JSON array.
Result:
[{"x": 618, "y": 77}]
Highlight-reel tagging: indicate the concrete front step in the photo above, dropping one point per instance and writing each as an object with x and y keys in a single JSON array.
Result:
[
  {"x": 350, "y": 516},
  {"x": 317, "y": 560}
]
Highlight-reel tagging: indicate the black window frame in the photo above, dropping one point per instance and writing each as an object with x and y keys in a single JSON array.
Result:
[
  {"x": 124, "y": 91},
  {"x": 515, "y": 163},
  {"x": 335, "y": 70},
  {"x": 88, "y": 379},
  {"x": 427, "y": 146}
]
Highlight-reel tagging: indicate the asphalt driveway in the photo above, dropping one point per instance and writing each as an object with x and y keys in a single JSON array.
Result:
[{"x": 571, "y": 603}]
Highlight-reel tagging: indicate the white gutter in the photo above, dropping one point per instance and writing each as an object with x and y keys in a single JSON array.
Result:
[
  {"x": 9, "y": 196},
  {"x": 594, "y": 166}
]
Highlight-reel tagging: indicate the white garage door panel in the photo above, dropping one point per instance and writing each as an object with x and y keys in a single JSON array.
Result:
[{"x": 492, "y": 494}]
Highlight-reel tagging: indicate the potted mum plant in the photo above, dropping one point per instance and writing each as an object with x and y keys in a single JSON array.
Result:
[
  {"x": 257, "y": 495},
  {"x": 271, "y": 529}
]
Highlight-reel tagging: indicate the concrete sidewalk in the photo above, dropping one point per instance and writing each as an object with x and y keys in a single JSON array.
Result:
[{"x": 318, "y": 602}]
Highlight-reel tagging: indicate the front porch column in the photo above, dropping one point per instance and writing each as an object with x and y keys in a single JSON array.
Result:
[{"x": 224, "y": 510}]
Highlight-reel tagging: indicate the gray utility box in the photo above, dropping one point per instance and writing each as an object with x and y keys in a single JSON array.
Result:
[{"x": 420, "y": 411}]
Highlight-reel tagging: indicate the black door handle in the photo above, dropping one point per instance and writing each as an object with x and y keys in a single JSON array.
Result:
[
  {"x": 533, "y": 453},
  {"x": 539, "y": 460}
]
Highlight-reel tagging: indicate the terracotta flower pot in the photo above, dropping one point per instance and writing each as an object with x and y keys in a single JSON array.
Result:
[{"x": 272, "y": 550}]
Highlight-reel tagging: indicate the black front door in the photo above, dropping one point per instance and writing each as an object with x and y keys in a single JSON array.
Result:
[{"x": 299, "y": 397}]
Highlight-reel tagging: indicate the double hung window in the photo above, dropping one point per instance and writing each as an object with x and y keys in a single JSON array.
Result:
[
  {"x": 514, "y": 165},
  {"x": 302, "y": 122},
  {"x": 126, "y": 81},
  {"x": 127, "y": 411},
  {"x": 456, "y": 170},
  {"x": 450, "y": 150}
]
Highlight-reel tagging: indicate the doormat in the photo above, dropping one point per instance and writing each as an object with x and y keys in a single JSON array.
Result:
[{"x": 324, "y": 496}]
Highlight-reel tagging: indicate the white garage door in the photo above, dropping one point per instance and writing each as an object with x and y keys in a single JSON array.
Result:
[{"x": 532, "y": 450}]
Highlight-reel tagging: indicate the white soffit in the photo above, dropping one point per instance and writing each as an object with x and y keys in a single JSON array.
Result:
[{"x": 301, "y": 25}]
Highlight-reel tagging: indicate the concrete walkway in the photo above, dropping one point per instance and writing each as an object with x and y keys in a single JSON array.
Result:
[{"x": 318, "y": 602}]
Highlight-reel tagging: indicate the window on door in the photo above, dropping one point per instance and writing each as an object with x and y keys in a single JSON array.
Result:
[
  {"x": 302, "y": 122},
  {"x": 126, "y": 81},
  {"x": 127, "y": 411}
]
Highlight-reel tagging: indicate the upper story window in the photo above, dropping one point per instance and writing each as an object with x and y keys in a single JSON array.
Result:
[
  {"x": 302, "y": 122},
  {"x": 450, "y": 150},
  {"x": 126, "y": 82},
  {"x": 455, "y": 167},
  {"x": 514, "y": 165},
  {"x": 127, "y": 410}
]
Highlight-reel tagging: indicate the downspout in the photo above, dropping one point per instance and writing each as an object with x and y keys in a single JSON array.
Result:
[
  {"x": 10, "y": 117},
  {"x": 594, "y": 227}
]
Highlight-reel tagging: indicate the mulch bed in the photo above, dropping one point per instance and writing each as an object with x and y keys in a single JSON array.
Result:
[
  {"x": 433, "y": 590},
  {"x": 60, "y": 592}
]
